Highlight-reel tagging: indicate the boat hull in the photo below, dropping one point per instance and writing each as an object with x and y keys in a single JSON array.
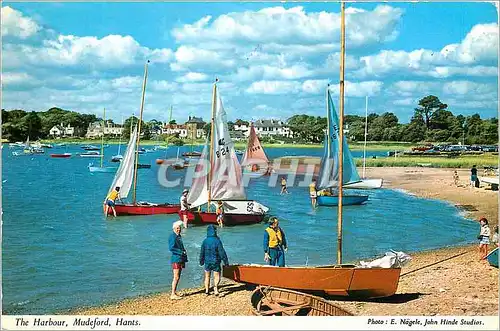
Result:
[
  {"x": 366, "y": 184},
  {"x": 201, "y": 218},
  {"x": 347, "y": 200},
  {"x": 130, "y": 209},
  {"x": 90, "y": 155},
  {"x": 61, "y": 156},
  {"x": 341, "y": 280},
  {"x": 493, "y": 257},
  {"x": 272, "y": 301},
  {"x": 143, "y": 166}
]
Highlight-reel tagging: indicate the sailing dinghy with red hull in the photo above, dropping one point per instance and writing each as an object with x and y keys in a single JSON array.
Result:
[
  {"x": 255, "y": 161},
  {"x": 126, "y": 176},
  {"x": 222, "y": 181}
]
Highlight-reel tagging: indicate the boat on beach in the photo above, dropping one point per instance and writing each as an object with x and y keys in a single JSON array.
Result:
[
  {"x": 378, "y": 278},
  {"x": 272, "y": 301},
  {"x": 492, "y": 257},
  {"x": 218, "y": 177},
  {"x": 126, "y": 176}
]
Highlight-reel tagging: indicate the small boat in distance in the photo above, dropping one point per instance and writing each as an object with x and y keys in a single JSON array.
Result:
[
  {"x": 272, "y": 301},
  {"x": 90, "y": 148},
  {"x": 91, "y": 154},
  {"x": 101, "y": 167},
  {"x": 192, "y": 154},
  {"x": 61, "y": 155},
  {"x": 255, "y": 158},
  {"x": 117, "y": 158}
]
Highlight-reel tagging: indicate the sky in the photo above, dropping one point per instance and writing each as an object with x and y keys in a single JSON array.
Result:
[{"x": 273, "y": 59}]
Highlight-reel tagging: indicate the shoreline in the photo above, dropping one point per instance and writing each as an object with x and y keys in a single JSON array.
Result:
[{"x": 458, "y": 284}]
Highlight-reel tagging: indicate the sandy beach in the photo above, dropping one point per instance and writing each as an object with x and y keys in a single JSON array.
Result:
[{"x": 448, "y": 281}]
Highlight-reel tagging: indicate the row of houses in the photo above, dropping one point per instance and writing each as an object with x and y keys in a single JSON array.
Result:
[{"x": 191, "y": 129}]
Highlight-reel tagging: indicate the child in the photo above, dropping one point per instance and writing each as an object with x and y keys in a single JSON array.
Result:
[
  {"x": 455, "y": 178},
  {"x": 283, "y": 186},
  {"x": 220, "y": 214},
  {"x": 484, "y": 238}
]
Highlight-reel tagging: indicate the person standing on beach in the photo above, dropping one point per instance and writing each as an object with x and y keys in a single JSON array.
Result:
[
  {"x": 275, "y": 244},
  {"x": 179, "y": 257},
  {"x": 484, "y": 238},
  {"x": 184, "y": 207},
  {"x": 110, "y": 201},
  {"x": 473, "y": 175},
  {"x": 313, "y": 192},
  {"x": 455, "y": 178},
  {"x": 212, "y": 253}
]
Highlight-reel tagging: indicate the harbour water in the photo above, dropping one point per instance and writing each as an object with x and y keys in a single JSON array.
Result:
[{"x": 59, "y": 252}]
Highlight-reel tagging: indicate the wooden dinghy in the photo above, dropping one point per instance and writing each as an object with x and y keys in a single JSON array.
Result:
[{"x": 273, "y": 301}]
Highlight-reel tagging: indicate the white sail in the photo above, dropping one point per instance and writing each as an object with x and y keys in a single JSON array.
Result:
[
  {"x": 198, "y": 194},
  {"x": 125, "y": 174},
  {"x": 226, "y": 182}
]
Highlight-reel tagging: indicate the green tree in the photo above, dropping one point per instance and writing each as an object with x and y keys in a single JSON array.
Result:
[
  {"x": 428, "y": 105},
  {"x": 415, "y": 131}
]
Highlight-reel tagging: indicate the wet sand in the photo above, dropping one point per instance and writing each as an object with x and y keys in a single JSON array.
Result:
[{"x": 448, "y": 281}]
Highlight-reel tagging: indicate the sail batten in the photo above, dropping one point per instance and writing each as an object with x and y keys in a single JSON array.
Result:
[
  {"x": 125, "y": 174},
  {"x": 329, "y": 169}
]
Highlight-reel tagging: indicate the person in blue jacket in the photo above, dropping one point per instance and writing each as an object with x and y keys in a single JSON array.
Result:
[
  {"x": 211, "y": 255},
  {"x": 275, "y": 244},
  {"x": 179, "y": 257}
]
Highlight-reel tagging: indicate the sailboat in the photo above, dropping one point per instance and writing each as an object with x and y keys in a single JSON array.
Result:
[
  {"x": 179, "y": 164},
  {"x": 365, "y": 183},
  {"x": 329, "y": 175},
  {"x": 255, "y": 160},
  {"x": 101, "y": 168},
  {"x": 223, "y": 180},
  {"x": 118, "y": 157},
  {"x": 341, "y": 279},
  {"x": 127, "y": 175}
]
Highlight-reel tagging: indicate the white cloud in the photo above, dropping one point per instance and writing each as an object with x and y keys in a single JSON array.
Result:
[
  {"x": 192, "y": 77},
  {"x": 294, "y": 26},
  {"x": 274, "y": 87},
  {"x": 17, "y": 78},
  {"x": 192, "y": 58},
  {"x": 267, "y": 72},
  {"x": 361, "y": 89},
  {"x": 480, "y": 46},
  {"x": 16, "y": 25},
  {"x": 315, "y": 86},
  {"x": 467, "y": 87}
]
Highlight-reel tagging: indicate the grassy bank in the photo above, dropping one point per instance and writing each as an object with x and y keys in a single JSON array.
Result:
[{"x": 434, "y": 162}]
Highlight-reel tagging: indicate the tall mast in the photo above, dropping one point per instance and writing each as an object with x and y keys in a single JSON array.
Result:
[
  {"x": 103, "y": 132},
  {"x": 120, "y": 141},
  {"x": 328, "y": 118},
  {"x": 168, "y": 136},
  {"x": 209, "y": 178},
  {"x": 139, "y": 131},
  {"x": 341, "y": 130},
  {"x": 366, "y": 133}
]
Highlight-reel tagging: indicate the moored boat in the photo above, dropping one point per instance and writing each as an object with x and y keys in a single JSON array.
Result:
[
  {"x": 272, "y": 301},
  {"x": 255, "y": 162},
  {"x": 347, "y": 200},
  {"x": 90, "y": 154},
  {"x": 61, "y": 155},
  {"x": 366, "y": 184},
  {"x": 90, "y": 148}
]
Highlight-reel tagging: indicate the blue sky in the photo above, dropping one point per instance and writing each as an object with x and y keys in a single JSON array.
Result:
[{"x": 274, "y": 60}]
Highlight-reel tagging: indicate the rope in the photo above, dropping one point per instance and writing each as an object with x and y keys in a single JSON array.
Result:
[{"x": 430, "y": 265}]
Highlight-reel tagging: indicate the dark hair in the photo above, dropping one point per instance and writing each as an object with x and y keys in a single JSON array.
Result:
[
  {"x": 473, "y": 166},
  {"x": 483, "y": 219},
  {"x": 117, "y": 188}
]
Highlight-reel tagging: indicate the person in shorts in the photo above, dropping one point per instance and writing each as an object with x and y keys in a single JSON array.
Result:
[
  {"x": 179, "y": 257},
  {"x": 212, "y": 253},
  {"x": 484, "y": 238},
  {"x": 184, "y": 208},
  {"x": 313, "y": 193},
  {"x": 283, "y": 186},
  {"x": 220, "y": 213},
  {"x": 109, "y": 202}
]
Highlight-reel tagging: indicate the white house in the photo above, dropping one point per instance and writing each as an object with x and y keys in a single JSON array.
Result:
[
  {"x": 173, "y": 129},
  {"x": 62, "y": 131},
  {"x": 265, "y": 128},
  {"x": 95, "y": 130}
]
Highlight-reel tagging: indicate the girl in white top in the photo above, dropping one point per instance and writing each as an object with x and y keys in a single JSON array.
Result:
[{"x": 484, "y": 238}]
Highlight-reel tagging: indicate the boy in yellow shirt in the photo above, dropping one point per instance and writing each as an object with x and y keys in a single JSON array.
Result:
[{"x": 110, "y": 201}]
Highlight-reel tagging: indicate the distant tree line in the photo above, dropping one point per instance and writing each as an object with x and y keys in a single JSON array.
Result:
[{"x": 431, "y": 122}]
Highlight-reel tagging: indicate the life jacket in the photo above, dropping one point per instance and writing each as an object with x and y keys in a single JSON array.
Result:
[{"x": 275, "y": 237}]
